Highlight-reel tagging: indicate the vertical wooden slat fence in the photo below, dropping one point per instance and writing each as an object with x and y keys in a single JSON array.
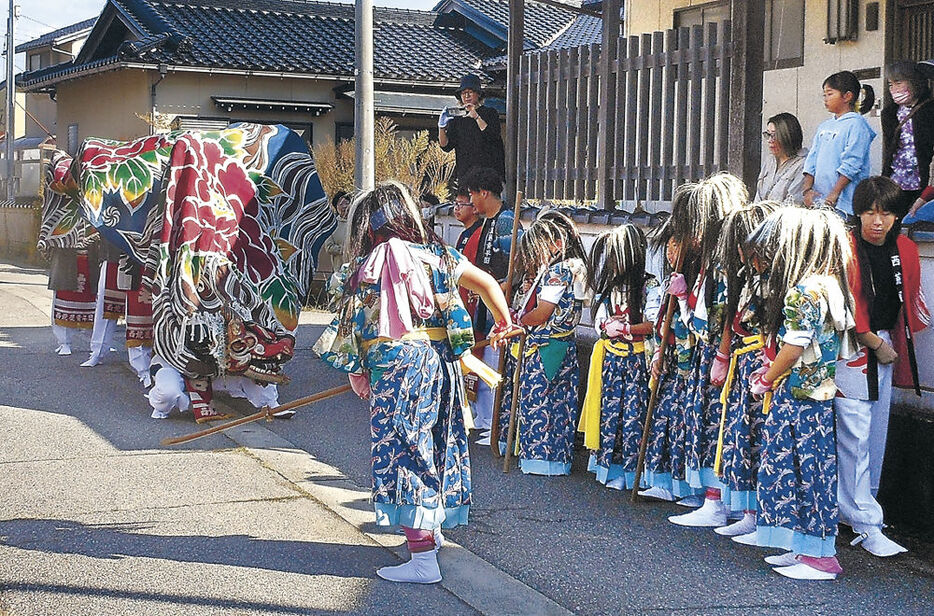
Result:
[{"x": 671, "y": 117}]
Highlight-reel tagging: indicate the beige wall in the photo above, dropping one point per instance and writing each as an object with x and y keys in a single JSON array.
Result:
[
  {"x": 103, "y": 105},
  {"x": 651, "y": 15},
  {"x": 19, "y": 118}
]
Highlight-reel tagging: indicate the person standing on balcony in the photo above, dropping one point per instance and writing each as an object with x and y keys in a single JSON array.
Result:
[
  {"x": 474, "y": 136},
  {"x": 782, "y": 175},
  {"x": 908, "y": 136}
]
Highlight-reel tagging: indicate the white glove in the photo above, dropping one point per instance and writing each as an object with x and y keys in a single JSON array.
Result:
[{"x": 444, "y": 118}]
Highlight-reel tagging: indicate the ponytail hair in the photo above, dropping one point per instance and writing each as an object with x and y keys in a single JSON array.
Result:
[{"x": 864, "y": 97}]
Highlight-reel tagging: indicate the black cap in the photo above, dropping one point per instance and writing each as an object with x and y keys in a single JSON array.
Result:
[{"x": 469, "y": 82}]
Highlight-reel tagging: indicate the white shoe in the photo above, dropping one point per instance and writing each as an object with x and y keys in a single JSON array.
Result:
[
  {"x": 439, "y": 539},
  {"x": 745, "y": 525},
  {"x": 617, "y": 484},
  {"x": 287, "y": 414},
  {"x": 91, "y": 362},
  {"x": 692, "y": 501},
  {"x": 787, "y": 559},
  {"x": 657, "y": 493},
  {"x": 747, "y": 539},
  {"x": 801, "y": 571},
  {"x": 421, "y": 569},
  {"x": 711, "y": 513},
  {"x": 878, "y": 544},
  {"x": 63, "y": 349},
  {"x": 159, "y": 414}
]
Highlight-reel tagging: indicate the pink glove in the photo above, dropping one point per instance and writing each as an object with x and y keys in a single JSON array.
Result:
[
  {"x": 616, "y": 328},
  {"x": 678, "y": 286},
  {"x": 360, "y": 383},
  {"x": 758, "y": 384},
  {"x": 719, "y": 370}
]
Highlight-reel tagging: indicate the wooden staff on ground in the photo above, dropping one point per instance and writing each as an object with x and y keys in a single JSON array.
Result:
[
  {"x": 510, "y": 271},
  {"x": 653, "y": 389},
  {"x": 265, "y": 412}
]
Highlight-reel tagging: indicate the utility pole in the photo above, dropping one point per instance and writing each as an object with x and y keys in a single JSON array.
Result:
[
  {"x": 514, "y": 46},
  {"x": 363, "y": 120},
  {"x": 10, "y": 100}
]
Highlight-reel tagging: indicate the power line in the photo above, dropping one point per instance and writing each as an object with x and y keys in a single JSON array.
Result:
[{"x": 41, "y": 23}]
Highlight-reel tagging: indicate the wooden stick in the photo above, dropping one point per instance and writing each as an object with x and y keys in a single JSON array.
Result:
[
  {"x": 653, "y": 390},
  {"x": 266, "y": 412},
  {"x": 513, "y": 408},
  {"x": 485, "y": 343},
  {"x": 510, "y": 271}
]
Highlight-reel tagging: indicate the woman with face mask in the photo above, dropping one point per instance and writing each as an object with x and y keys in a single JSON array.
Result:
[{"x": 908, "y": 135}]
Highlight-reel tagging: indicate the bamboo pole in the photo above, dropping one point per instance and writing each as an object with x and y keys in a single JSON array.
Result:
[
  {"x": 653, "y": 390},
  {"x": 513, "y": 408},
  {"x": 265, "y": 412}
]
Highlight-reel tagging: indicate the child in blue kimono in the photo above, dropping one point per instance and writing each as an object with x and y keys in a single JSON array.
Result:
[
  {"x": 626, "y": 301},
  {"x": 808, "y": 317},
  {"x": 548, "y": 304},
  {"x": 736, "y": 461},
  {"x": 404, "y": 337}
]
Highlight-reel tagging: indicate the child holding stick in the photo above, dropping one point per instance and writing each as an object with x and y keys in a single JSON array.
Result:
[
  {"x": 626, "y": 302},
  {"x": 548, "y": 302},
  {"x": 404, "y": 336}
]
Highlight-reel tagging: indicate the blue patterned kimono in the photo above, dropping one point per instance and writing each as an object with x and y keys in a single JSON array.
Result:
[
  {"x": 665, "y": 453},
  {"x": 742, "y": 432},
  {"x": 421, "y": 469},
  {"x": 625, "y": 392},
  {"x": 797, "y": 491},
  {"x": 548, "y": 407},
  {"x": 702, "y": 419}
]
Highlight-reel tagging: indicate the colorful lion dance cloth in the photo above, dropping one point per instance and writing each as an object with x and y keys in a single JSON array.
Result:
[{"x": 228, "y": 225}]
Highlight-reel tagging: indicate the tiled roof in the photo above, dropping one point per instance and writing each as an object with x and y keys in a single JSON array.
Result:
[
  {"x": 51, "y": 38},
  {"x": 542, "y": 21},
  {"x": 584, "y": 30},
  {"x": 287, "y": 36}
]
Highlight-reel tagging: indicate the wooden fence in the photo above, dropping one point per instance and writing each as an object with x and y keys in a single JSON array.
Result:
[{"x": 672, "y": 100}]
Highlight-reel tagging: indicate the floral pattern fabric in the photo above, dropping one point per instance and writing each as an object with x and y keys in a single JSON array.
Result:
[
  {"x": 808, "y": 319},
  {"x": 797, "y": 489},
  {"x": 905, "y": 171},
  {"x": 420, "y": 461},
  {"x": 742, "y": 436},
  {"x": 702, "y": 420}
]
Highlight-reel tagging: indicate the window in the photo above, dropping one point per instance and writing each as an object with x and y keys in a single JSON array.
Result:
[
  {"x": 35, "y": 61},
  {"x": 784, "y": 33},
  {"x": 702, "y": 14},
  {"x": 842, "y": 20},
  {"x": 72, "y": 145},
  {"x": 343, "y": 130},
  {"x": 784, "y": 28}
]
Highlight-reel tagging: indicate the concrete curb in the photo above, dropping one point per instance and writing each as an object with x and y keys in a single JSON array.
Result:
[{"x": 473, "y": 580}]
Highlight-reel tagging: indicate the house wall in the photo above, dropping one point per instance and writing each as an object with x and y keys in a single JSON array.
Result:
[
  {"x": 189, "y": 94},
  {"x": 651, "y": 15},
  {"x": 103, "y": 105},
  {"x": 19, "y": 118}
]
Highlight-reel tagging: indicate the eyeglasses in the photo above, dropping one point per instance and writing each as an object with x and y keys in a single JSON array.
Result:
[
  {"x": 456, "y": 204},
  {"x": 768, "y": 136}
]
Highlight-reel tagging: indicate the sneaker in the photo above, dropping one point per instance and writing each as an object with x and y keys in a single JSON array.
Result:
[
  {"x": 658, "y": 494},
  {"x": 782, "y": 560},
  {"x": 747, "y": 539},
  {"x": 711, "y": 514},
  {"x": 421, "y": 569},
  {"x": 801, "y": 571},
  {"x": 745, "y": 525},
  {"x": 878, "y": 544},
  {"x": 693, "y": 501}
]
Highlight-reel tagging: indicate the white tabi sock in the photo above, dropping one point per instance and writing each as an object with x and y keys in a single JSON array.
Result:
[
  {"x": 878, "y": 544},
  {"x": 801, "y": 571},
  {"x": 711, "y": 513},
  {"x": 421, "y": 569},
  {"x": 658, "y": 493},
  {"x": 745, "y": 525}
]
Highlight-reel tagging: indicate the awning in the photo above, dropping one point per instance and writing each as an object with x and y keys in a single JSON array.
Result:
[
  {"x": 408, "y": 103},
  {"x": 266, "y": 104},
  {"x": 27, "y": 143}
]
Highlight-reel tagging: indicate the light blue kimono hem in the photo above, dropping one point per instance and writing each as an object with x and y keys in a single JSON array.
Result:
[
  {"x": 544, "y": 467},
  {"x": 703, "y": 478},
  {"x": 740, "y": 500},
  {"x": 797, "y": 542},
  {"x": 417, "y": 516},
  {"x": 615, "y": 471},
  {"x": 678, "y": 487}
]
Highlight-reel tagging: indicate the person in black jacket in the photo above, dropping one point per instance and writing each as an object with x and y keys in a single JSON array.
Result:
[
  {"x": 908, "y": 135},
  {"x": 475, "y": 137}
]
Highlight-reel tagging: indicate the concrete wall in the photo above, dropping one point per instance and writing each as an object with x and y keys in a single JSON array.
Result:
[{"x": 19, "y": 228}]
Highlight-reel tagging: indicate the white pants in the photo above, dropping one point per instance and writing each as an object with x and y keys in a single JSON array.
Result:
[
  {"x": 103, "y": 331},
  {"x": 483, "y": 407},
  {"x": 140, "y": 359},
  {"x": 62, "y": 334},
  {"x": 862, "y": 427}
]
